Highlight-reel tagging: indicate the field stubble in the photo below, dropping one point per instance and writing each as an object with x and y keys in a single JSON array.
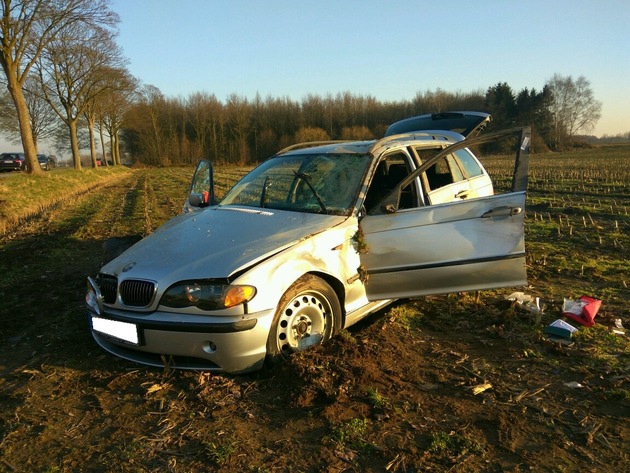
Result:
[{"x": 456, "y": 382}]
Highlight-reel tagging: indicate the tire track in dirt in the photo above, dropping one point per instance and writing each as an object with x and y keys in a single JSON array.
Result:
[{"x": 44, "y": 263}]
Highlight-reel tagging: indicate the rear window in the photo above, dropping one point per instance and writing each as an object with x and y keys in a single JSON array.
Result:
[{"x": 470, "y": 166}]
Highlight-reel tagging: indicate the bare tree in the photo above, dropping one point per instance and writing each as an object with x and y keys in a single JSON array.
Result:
[
  {"x": 204, "y": 114},
  {"x": 238, "y": 113},
  {"x": 145, "y": 135},
  {"x": 44, "y": 121},
  {"x": 573, "y": 107},
  {"x": 73, "y": 70},
  {"x": 109, "y": 79},
  {"x": 111, "y": 110},
  {"x": 26, "y": 28}
]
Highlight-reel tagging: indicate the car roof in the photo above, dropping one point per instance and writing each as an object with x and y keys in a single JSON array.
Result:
[{"x": 365, "y": 147}]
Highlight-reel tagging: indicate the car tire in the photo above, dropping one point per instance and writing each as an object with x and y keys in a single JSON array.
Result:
[{"x": 308, "y": 314}]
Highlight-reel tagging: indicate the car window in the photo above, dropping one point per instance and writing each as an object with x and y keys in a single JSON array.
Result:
[
  {"x": 439, "y": 175},
  {"x": 468, "y": 163},
  {"x": 390, "y": 171},
  {"x": 450, "y": 178},
  {"x": 320, "y": 183}
]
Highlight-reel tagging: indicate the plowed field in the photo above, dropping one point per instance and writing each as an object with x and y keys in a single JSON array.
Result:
[{"x": 464, "y": 382}]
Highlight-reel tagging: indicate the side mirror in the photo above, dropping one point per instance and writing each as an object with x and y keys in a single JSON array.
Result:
[
  {"x": 194, "y": 200},
  {"x": 201, "y": 188}
]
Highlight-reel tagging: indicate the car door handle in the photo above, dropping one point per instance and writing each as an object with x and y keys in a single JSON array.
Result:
[
  {"x": 463, "y": 194},
  {"x": 504, "y": 211}
]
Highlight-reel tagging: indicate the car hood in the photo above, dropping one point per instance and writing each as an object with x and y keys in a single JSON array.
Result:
[
  {"x": 467, "y": 124},
  {"x": 216, "y": 243}
]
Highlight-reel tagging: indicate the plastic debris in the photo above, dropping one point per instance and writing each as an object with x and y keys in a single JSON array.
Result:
[
  {"x": 559, "y": 328},
  {"x": 619, "y": 328},
  {"x": 574, "y": 384},
  {"x": 583, "y": 310},
  {"x": 528, "y": 302}
]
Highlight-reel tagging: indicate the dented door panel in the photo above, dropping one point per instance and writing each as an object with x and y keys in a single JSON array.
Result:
[{"x": 459, "y": 246}]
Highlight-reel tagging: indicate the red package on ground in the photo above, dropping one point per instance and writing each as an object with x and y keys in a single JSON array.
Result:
[{"x": 583, "y": 310}]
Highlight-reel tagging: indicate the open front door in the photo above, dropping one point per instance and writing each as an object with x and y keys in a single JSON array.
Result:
[
  {"x": 201, "y": 193},
  {"x": 456, "y": 246}
]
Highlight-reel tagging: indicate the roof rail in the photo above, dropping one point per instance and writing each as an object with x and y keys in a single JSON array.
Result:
[
  {"x": 309, "y": 144},
  {"x": 417, "y": 134}
]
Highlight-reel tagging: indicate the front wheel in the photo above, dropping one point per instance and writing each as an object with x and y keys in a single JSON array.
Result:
[{"x": 308, "y": 314}]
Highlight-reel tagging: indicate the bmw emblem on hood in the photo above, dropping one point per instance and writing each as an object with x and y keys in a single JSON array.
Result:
[{"x": 129, "y": 267}]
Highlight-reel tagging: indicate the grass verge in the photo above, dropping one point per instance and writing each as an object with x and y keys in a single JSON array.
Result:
[{"x": 23, "y": 196}]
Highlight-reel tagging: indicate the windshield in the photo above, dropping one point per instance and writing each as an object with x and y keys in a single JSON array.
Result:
[{"x": 318, "y": 183}]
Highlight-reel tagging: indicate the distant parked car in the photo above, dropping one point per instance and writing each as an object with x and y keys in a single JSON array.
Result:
[
  {"x": 311, "y": 241},
  {"x": 45, "y": 162},
  {"x": 12, "y": 162}
]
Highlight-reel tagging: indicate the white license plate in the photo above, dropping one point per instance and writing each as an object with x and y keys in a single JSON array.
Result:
[
  {"x": 8, "y": 161},
  {"x": 121, "y": 330}
]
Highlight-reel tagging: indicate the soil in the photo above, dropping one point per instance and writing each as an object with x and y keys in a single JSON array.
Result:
[{"x": 462, "y": 382}]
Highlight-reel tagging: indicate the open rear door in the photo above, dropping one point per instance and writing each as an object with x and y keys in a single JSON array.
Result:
[
  {"x": 467, "y": 124},
  {"x": 457, "y": 246}
]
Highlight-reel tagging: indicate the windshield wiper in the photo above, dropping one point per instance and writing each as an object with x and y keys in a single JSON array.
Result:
[{"x": 306, "y": 179}]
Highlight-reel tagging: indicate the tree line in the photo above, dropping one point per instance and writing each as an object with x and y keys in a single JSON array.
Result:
[
  {"x": 67, "y": 82},
  {"x": 160, "y": 130}
]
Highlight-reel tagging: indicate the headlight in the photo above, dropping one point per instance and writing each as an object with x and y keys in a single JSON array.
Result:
[
  {"x": 206, "y": 296},
  {"x": 93, "y": 297}
]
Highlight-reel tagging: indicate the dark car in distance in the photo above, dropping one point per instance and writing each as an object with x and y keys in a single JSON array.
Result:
[
  {"x": 12, "y": 162},
  {"x": 45, "y": 162}
]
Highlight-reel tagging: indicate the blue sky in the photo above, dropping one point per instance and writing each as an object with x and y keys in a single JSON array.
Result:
[
  {"x": 390, "y": 50},
  {"x": 386, "y": 49}
]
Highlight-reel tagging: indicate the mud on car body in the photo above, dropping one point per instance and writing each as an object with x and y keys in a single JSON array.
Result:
[{"x": 311, "y": 241}]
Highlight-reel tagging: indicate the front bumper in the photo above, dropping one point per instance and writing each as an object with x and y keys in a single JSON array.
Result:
[
  {"x": 232, "y": 344},
  {"x": 230, "y": 347}
]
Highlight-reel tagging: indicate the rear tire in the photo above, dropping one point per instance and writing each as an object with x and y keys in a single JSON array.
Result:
[{"x": 308, "y": 314}]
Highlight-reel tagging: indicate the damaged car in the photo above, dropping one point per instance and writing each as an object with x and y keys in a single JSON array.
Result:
[{"x": 311, "y": 241}]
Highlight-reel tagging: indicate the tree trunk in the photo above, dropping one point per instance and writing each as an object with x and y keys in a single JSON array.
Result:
[
  {"x": 30, "y": 150},
  {"x": 115, "y": 147},
  {"x": 103, "y": 149},
  {"x": 92, "y": 143},
  {"x": 74, "y": 141}
]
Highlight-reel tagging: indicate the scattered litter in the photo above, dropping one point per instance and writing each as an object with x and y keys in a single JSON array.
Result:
[
  {"x": 583, "y": 310},
  {"x": 528, "y": 302},
  {"x": 560, "y": 328},
  {"x": 481, "y": 388},
  {"x": 574, "y": 384},
  {"x": 619, "y": 328}
]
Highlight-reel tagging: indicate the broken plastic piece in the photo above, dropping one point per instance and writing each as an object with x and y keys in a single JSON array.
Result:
[
  {"x": 619, "y": 328},
  {"x": 574, "y": 384},
  {"x": 583, "y": 310},
  {"x": 528, "y": 302}
]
